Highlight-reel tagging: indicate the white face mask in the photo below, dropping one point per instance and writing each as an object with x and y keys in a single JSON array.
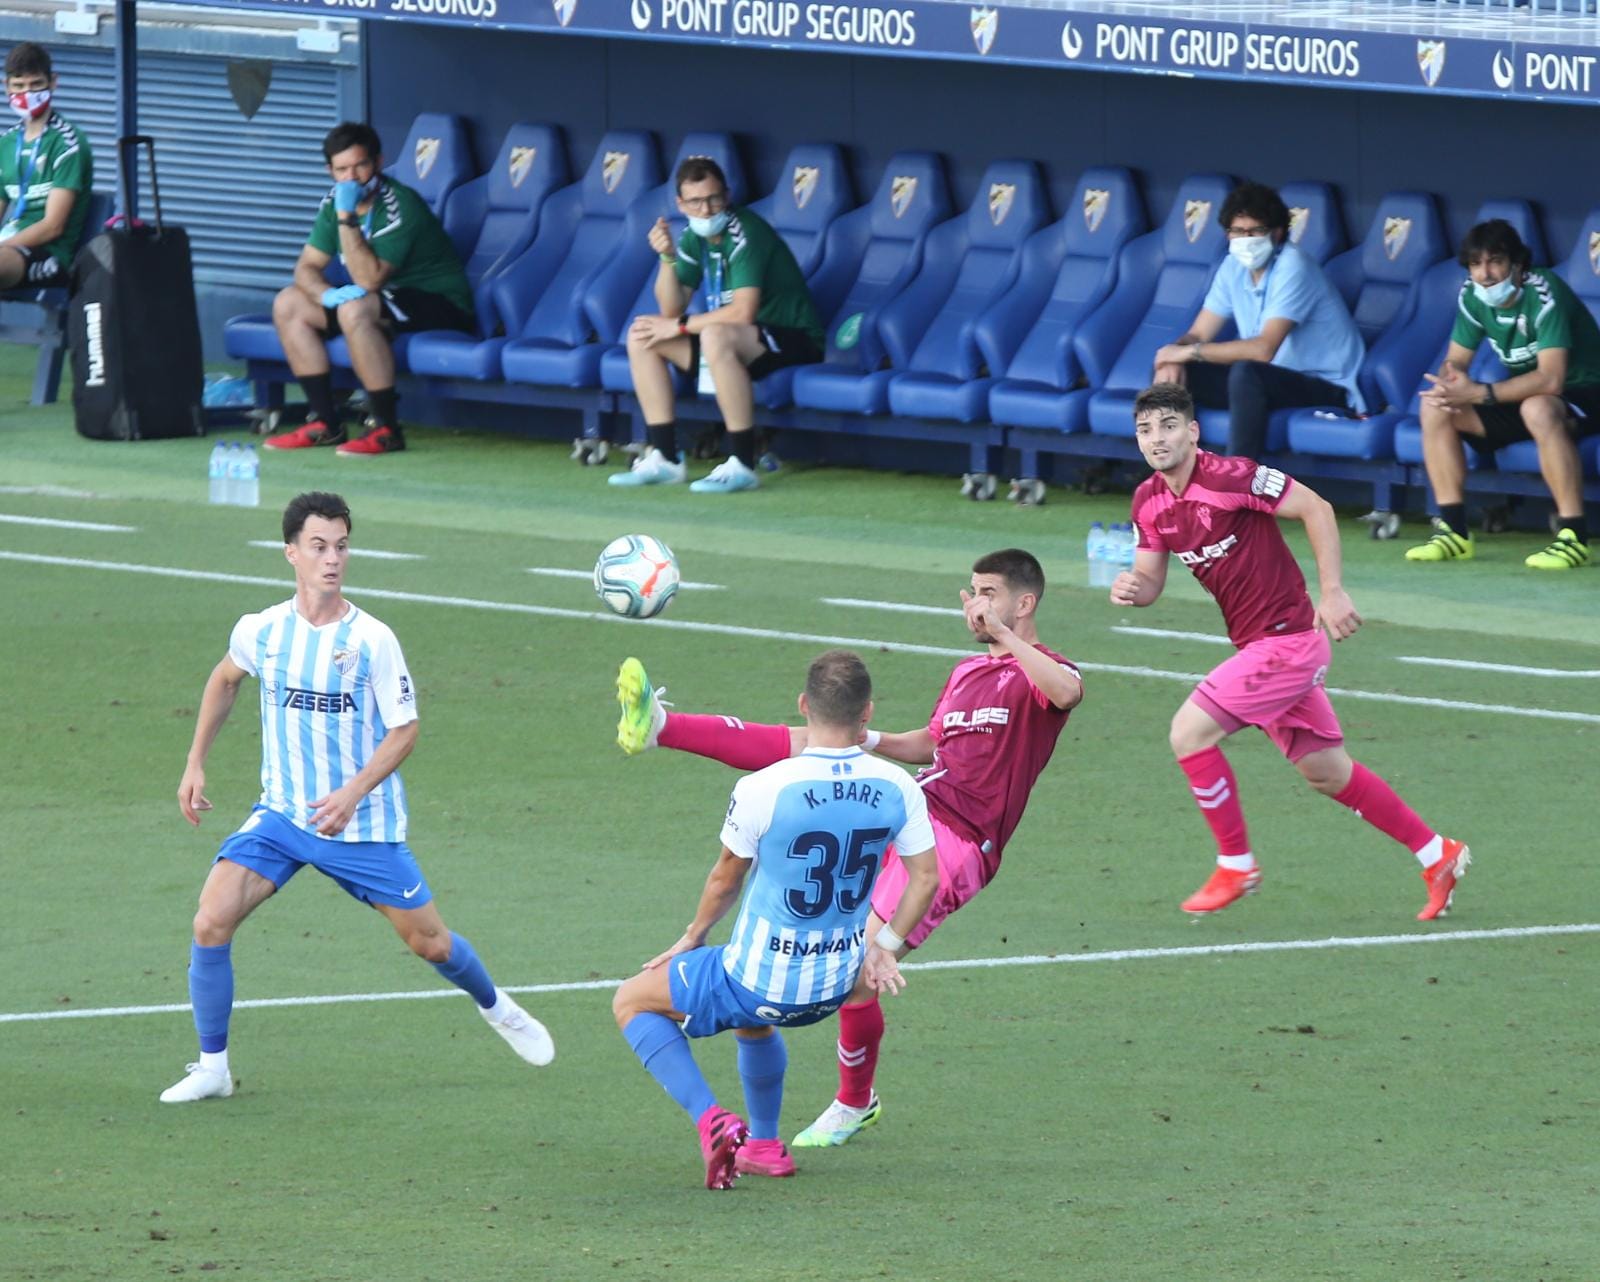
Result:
[
  {"x": 1254, "y": 252},
  {"x": 1496, "y": 295},
  {"x": 712, "y": 226},
  {"x": 31, "y": 103}
]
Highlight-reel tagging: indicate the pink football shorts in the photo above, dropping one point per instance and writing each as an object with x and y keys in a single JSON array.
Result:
[
  {"x": 964, "y": 870},
  {"x": 1276, "y": 684}
]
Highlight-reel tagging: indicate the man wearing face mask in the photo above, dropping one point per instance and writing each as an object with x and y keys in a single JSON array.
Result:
[
  {"x": 1297, "y": 345},
  {"x": 758, "y": 317},
  {"x": 1550, "y": 346},
  {"x": 404, "y": 275},
  {"x": 45, "y": 175}
]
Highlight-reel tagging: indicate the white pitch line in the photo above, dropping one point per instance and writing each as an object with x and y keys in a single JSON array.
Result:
[
  {"x": 57, "y": 524},
  {"x": 1128, "y": 630},
  {"x": 374, "y": 553},
  {"x": 767, "y": 634},
  {"x": 1512, "y": 668},
  {"x": 48, "y": 491},
  {"x": 555, "y": 572},
  {"x": 896, "y": 607},
  {"x": 967, "y": 963}
]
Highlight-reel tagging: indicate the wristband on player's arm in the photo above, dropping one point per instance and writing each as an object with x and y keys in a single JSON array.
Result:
[
  {"x": 887, "y": 940},
  {"x": 871, "y": 740}
]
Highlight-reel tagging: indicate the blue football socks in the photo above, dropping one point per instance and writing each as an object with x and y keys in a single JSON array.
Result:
[
  {"x": 211, "y": 993},
  {"x": 463, "y": 969},
  {"x": 664, "y": 1051},
  {"x": 761, "y": 1065}
]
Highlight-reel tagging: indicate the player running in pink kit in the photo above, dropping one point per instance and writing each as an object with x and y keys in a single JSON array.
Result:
[
  {"x": 992, "y": 731},
  {"x": 1217, "y": 514}
]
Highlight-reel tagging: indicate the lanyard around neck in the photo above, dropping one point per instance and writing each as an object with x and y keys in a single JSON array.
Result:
[{"x": 25, "y": 176}]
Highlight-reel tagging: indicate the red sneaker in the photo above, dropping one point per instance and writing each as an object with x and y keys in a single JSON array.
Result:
[
  {"x": 1442, "y": 877},
  {"x": 380, "y": 440},
  {"x": 1225, "y": 886},
  {"x": 310, "y": 433},
  {"x": 721, "y": 1134},
  {"x": 763, "y": 1157}
]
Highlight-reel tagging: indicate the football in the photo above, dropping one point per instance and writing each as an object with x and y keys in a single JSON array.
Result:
[{"x": 636, "y": 576}]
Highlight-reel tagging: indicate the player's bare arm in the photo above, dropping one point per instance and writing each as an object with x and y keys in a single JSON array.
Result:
[
  {"x": 721, "y": 892},
  {"x": 1142, "y": 584},
  {"x": 309, "y": 271},
  {"x": 365, "y": 267},
  {"x": 52, "y": 226},
  {"x": 330, "y": 814},
  {"x": 880, "y": 969},
  {"x": 216, "y": 702},
  {"x": 1335, "y": 610},
  {"x": 909, "y": 747},
  {"x": 1051, "y": 680}
]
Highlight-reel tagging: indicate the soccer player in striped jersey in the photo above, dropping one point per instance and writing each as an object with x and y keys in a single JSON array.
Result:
[
  {"x": 815, "y": 828},
  {"x": 992, "y": 731},
  {"x": 338, "y": 716},
  {"x": 1219, "y": 516}
]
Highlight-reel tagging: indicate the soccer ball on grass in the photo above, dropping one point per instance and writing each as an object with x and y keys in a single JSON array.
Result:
[{"x": 636, "y": 576}]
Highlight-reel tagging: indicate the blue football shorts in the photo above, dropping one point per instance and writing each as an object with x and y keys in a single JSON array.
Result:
[
  {"x": 375, "y": 872},
  {"x": 704, "y": 991}
]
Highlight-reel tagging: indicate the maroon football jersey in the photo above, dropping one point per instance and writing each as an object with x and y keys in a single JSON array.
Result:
[
  {"x": 993, "y": 733},
  {"x": 1223, "y": 528}
]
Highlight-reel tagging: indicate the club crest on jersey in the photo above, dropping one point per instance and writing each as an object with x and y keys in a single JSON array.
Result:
[
  {"x": 612, "y": 168},
  {"x": 902, "y": 191},
  {"x": 1594, "y": 252},
  {"x": 806, "y": 178},
  {"x": 1001, "y": 197},
  {"x": 1203, "y": 514},
  {"x": 521, "y": 164},
  {"x": 344, "y": 659},
  {"x": 985, "y": 25},
  {"x": 424, "y": 154},
  {"x": 564, "y": 10},
  {"x": 1096, "y": 200},
  {"x": 1196, "y": 214},
  {"x": 1299, "y": 217},
  {"x": 1396, "y": 231},
  {"x": 1430, "y": 61}
]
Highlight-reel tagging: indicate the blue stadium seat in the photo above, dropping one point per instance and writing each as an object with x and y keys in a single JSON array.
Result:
[
  {"x": 1068, "y": 270},
  {"x": 538, "y": 298},
  {"x": 435, "y": 159},
  {"x": 970, "y": 261},
  {"x": 1162, "y": 280},
  {"x": 615, "y": 375},
  {"x": 1316, "y": 223},
  {"x": 813, "y": 190}
]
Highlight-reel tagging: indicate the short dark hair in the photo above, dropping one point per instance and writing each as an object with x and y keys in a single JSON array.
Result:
[
  {"x": 1258, "y": 201},
  {"x": 1020, "y": 570},
  {"x": 1164, "y": 396},
  {"x": 838, "y": 688},
  {"x": 351, "y": 133},
  {"x": 697, "y": 169},
  {"x": 28, "y": 59},
  {"x": 330, "y": 507},
  {"x": 1494, "y": 239}
]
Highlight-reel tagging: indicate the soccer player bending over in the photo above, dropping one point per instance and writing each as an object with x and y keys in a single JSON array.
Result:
[
  {"x": 991, "y": 732},
  {"x": 338, "y": 716},
  {"x": 1217, "y": 514},
  {"x": 816, "y": 828}
]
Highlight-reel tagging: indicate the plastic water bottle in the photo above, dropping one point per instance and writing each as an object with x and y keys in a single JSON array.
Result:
[
  {"x": 248, "y": 491},
  {"x": 217, "y": 472},
  {"x": 1094, "y": 551},
  {"x": 1127, "y": 544},
  {"x": 235, "y": 473}
]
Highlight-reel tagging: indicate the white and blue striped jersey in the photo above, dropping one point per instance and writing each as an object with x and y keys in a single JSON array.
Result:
[
  {"x": 329, "y": 694},
  {"x": 817, "y": 826}
]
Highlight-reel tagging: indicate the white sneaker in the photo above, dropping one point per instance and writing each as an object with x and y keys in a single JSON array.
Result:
[
  {"x": 728, "y": 477},
  {"x": 528, "y": 1037},
  {"x": 652, "y": 468},
  {"x": 201, "y": 1083},
  {"x": 839, "y": 1123}
]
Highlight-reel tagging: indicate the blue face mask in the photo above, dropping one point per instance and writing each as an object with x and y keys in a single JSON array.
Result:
[
  {"x": 712, "y": 226},
  {"x": 1496, "y": 295}
]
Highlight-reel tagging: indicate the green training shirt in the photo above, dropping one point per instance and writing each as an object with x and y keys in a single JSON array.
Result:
[
  {"x": 1546, "y": 315},
  {"x": 750, "y": 254},
  {"x": 64, "y": 161},
  {"x": 402, "y": 230}
]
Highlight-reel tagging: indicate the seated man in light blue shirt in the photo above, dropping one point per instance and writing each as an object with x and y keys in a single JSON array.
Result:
[{"x": 1297, "y": 345}]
